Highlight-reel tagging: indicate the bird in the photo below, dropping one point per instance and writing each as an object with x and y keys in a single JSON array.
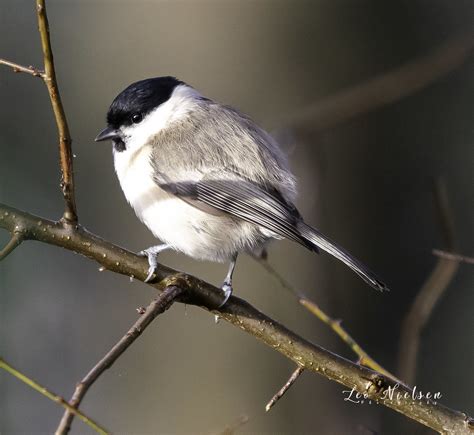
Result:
[{"x": 206, "y": 179}]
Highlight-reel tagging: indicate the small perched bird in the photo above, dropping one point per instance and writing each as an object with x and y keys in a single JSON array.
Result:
[{"x": 205, "y": 179}]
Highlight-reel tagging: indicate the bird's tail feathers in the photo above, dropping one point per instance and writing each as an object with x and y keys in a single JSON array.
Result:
[{"x": 322, "y": 242}]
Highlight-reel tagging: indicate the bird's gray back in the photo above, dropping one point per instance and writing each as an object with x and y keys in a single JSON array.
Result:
[{"x": 217, "y": 141}]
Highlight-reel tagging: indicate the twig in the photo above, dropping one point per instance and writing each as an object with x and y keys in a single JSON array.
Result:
[
  {"x": 65, "y": 152},
  {"x": 429, "y": 294},
  {"x": 279, "y": 394},
  {"x": 232, "y": 428},
  {"x": 241, "y": 314},
  {"x": 49, "y": 78},
  {"x": 156, "y": 307},
  {"x": 453, "y": 257},
  {"x": 23, "y": 69},
  {"x": 13, "y": 243},
  {"x": 335, "y": 325},
  {"x": 54, "y": 397},
  {"x": 384, "y": 89}
]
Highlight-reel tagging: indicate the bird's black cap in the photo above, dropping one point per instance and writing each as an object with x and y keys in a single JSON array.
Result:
[{"x": 140, "y": 98}]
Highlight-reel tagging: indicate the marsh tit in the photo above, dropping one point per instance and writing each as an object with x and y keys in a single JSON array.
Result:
[{"x": 205, "y": 179}]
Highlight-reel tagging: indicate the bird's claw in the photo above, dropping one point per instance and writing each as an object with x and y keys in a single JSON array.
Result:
[
  {"x": 227, "y": 289},
  {"x": 152, "y": 255},
  {"x": 152, "y": 261}
]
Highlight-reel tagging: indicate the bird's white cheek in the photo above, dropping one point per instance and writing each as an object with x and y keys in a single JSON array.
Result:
[{"x": 178, "y": 107}]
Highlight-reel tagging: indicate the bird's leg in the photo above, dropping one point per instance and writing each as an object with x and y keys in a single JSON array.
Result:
[
  {"x": 152, "y": 255},
  {"x": 227, "y": 285}
]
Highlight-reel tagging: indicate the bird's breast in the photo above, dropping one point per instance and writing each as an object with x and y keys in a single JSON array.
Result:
[{"x": 182, "y": 226}]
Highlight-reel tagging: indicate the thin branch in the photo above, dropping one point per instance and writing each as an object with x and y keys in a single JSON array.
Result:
[
  {"x": 453, "y": 257},
  {"x": 232, "y": 428},
  {"x": 335, "y": 325},
  {"x": 429, "y": 294},
  {"x": 13, "y": 243},
  {"x": 51, "y": 396},
  {"x": 279, "y": 394},
  {"x": 49, "y": 78},
  {"x": 17, "y": 68},
  {"x": 384, "y": 89},
  {"x": 156, "y": 307},
  {"x": 65, "y": 152},
  {"x": 241, "y": 314}
]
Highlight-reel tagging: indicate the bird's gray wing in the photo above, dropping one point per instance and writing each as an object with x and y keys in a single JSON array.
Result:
[
  {"x": 245, "y": 200},
  {"x": 268, "y": 209}
]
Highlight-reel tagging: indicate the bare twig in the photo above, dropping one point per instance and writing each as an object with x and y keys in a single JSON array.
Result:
[
  {"x": 384, "y": 89},
  {"x": 156, "y": 307},
  {"x": 49, "y": 78},
  {"x": 241, "y": 314},
  {"x": 232, "y": 428},
  {"x": 279, "y": 394},
  {"x": 23, "y": 69},
  {"x": 14, "y": 242},
  {"x": 51, "y": 396},
  {"x": 453, "y": 257},
  {"x": 335, "y": 325},
  {"x": 429, "y": 294},
  {"x": 65, "y": 152}
]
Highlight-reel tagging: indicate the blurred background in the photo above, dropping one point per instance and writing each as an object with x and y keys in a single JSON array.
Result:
[{"x": 365, "y": 180}]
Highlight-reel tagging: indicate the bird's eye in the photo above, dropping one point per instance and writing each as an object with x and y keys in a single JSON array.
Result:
[{"x": 136, "y": 118}]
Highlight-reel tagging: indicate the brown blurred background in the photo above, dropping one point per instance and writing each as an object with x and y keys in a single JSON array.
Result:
[{"x": 366, "y": 182}]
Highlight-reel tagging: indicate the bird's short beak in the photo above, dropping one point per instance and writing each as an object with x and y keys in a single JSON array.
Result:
[{"x": 107, "y": 133}]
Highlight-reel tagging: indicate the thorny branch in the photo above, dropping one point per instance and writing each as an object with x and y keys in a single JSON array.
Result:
[
  {"x": 335, "y": 325},
  {"x": 241, "y": 314},
  {"x": 430, "y": 293},
  {"x": 51, "y": 396},
  {"x": 156, "y": 307}
]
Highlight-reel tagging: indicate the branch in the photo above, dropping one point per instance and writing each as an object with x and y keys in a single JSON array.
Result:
[
  {"x": 453, "y": 257},
  {"x": 233, "y": 427},
  {"x": 17, "y": 68},
  {"x": 156, "y": 307},
  {"x": 54, "y": 397},
  {"x": 279, "y": 394},
  {"x": 14, "y": 242},
  {"x": 49, "y": 78},
  {"x": 241, "y": 314},
  {"x": 335, "y": 325},
  {"x": 65, "y": 152},
  {"x": 384, "y": 89},
  {"x": 430, "y": 293}
]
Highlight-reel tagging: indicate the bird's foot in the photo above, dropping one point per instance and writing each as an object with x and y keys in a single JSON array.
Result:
[
  {"x": 152, "y": 256},
  {"x": 227, "y": 289}
]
